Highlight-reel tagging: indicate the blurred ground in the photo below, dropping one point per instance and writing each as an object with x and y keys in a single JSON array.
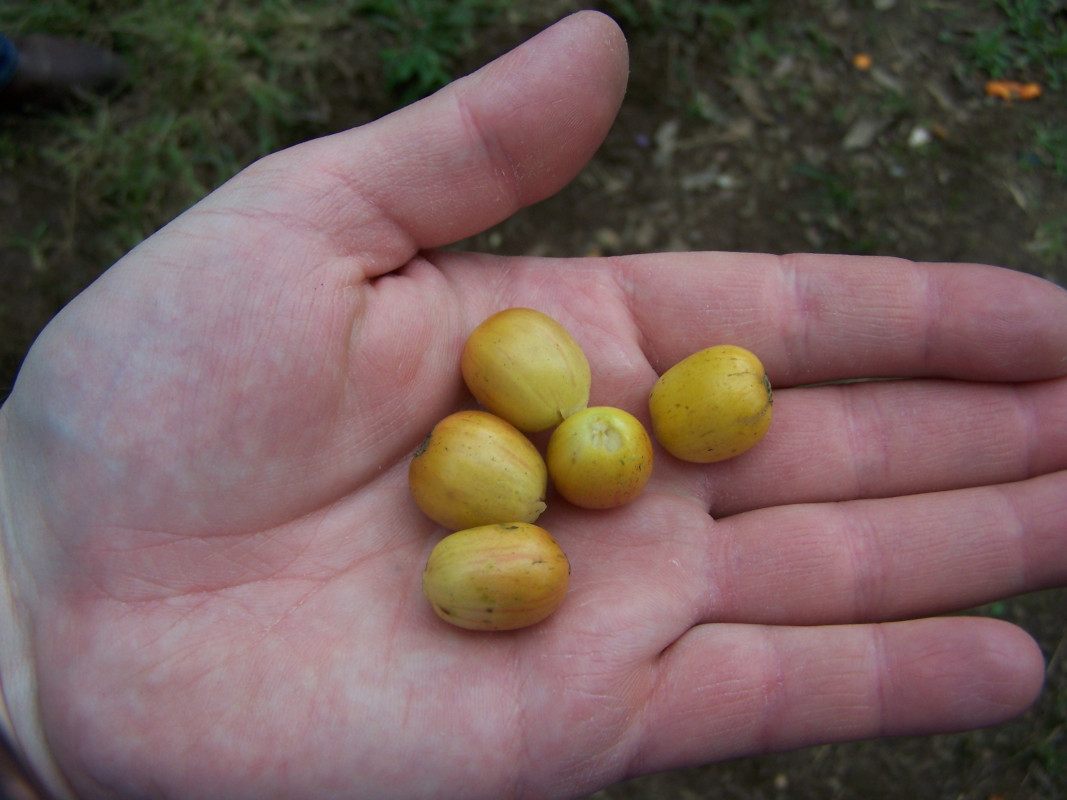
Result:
[
  {"x": 782, "y": 144},
  {"x": 774, "y": 142}
]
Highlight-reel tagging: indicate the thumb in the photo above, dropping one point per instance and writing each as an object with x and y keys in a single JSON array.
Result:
[{"x": 466, "y": 158}]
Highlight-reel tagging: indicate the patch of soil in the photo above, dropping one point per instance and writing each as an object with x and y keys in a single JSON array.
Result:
[{"x": 808, "y": 153}]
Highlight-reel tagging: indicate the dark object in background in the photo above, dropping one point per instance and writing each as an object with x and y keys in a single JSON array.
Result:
[{"x": 52, "y": 71}]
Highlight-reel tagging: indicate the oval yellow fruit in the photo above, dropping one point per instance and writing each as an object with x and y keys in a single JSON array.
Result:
[
  {"x": 600, "y": 457},
  {"x": 526, "y": 368},
  {"x": 476, "y": 469},
  {"x": 496, "y": 577},
  {"x": 712, "y": 405}
]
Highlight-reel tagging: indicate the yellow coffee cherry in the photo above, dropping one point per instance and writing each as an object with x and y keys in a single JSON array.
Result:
[
  {"x": 712, "y": 405},
  {"x": 496, "y": 577},
  {"x": 476, "y": 469},
  {"x": 526, "y": 368},
  {"x": 600, "y": 457}
]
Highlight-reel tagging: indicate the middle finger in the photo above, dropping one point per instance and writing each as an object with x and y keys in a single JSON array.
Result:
[{"x": 890, "y": 438}]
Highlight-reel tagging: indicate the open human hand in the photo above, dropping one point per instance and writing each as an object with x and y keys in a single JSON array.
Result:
[{"x": 213, "y": 563}]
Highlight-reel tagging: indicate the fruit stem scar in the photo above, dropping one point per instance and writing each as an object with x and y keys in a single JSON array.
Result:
[
  {"x": 423, "y": 445},
  {"x": 605, "y": 435}
]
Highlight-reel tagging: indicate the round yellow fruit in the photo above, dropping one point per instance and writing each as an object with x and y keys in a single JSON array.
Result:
[
  {"x": 712, "y": 405},
  {"x": 476, "y": 469},
  {"x": 496, "y": 577},
  {"x": 600, "y": 457},
  {"x": 526, "y": 368}
]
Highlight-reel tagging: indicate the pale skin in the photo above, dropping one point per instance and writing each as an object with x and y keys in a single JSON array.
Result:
[{"x": 213, "y": 565}]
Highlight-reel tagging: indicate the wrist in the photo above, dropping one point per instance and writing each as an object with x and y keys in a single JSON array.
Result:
[{"x": 20, "y": 719}]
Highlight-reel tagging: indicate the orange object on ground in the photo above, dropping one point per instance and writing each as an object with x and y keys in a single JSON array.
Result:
[{"x": 1013, "y": 90}]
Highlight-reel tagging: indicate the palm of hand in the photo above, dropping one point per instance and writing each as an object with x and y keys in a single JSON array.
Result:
[
  {"x": 256, "y": 563},
  {"x": 238, "y": 607}
]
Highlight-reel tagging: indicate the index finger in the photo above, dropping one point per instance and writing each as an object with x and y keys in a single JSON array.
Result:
[{"x": 816, "y": 318}]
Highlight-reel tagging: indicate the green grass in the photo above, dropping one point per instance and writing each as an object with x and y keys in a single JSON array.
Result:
[
  {"x": 690, "y": 16},
  {"x": 1050, "y": 141},
  {"x": 228, "y": 84},
  {"x": 741, "y": 26},
  {"x": 428, "y": 38},
  {"x": 31, "y": 242},
  {"x": 216, "y": 84},
  {"x": 1049, "y": 243},
  {"x": 1050, "y": 747},
  {"x": 1028, "y": 43}
]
